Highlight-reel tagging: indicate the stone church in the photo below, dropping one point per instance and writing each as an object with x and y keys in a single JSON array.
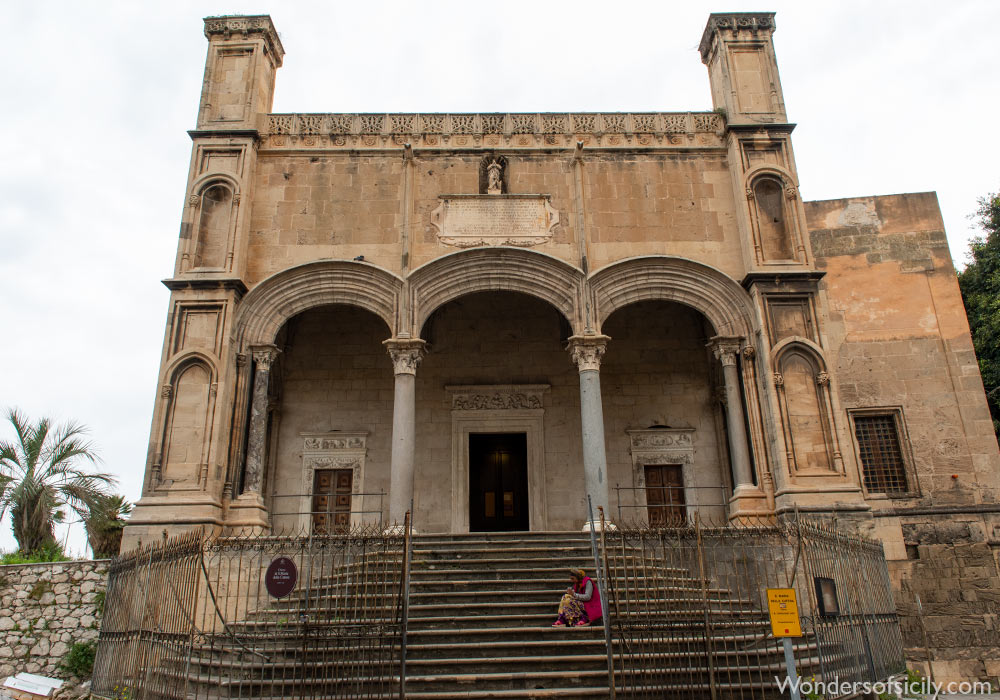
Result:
[{"x": 493, "y": 316}]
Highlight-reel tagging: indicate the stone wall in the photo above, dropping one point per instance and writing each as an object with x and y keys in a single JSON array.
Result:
[{"x": 46, "y": 609}]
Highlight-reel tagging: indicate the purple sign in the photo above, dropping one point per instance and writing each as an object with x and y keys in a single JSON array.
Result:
[{"x": 281, "y": 577}]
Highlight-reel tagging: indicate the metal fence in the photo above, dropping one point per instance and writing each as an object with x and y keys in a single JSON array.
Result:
[
  {"x": 689, "y": 617},
  {"x": 194, "y": 618}
]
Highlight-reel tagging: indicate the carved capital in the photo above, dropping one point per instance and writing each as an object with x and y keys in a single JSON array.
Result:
[
  {"x": 822, "y": 379},
  {"x": 193, "y": 200},
  {"x": 264, "y": 356},
  {"x": 241, "y": 359},
  {"x": 750, "y": 194},
  {"x": 586, "y": 351},
  {"x": 166, "y": 391},
  {"x": 236, "y": 198},
  {"x": 748, "y": 352},
  {"x": 779, "y": 380},
  {"x": 791, "y": 192},
  {"x": 725, "y": 349},
  {"x": 406, "y": 354}
]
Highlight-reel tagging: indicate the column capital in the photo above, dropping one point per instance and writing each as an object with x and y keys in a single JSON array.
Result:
[
  {"x": 265, "y": 355},
  {"x": 406, "y": 354},
  {"x": 586, "y": 351},
  {"x": 725, "y": 348}
]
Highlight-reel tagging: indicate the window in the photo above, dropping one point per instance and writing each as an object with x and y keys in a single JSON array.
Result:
[{"x": 881, "y": 450}]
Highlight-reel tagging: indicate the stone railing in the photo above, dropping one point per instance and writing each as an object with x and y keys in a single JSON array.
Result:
[{"x": 538, "y": 128}]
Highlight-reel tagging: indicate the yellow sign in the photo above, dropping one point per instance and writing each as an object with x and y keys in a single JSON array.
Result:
[{"x": 784, "y": 610}]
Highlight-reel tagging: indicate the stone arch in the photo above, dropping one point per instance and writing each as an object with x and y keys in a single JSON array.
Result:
[
  {"x": 716, "y": 295},
  {"x": 266, "y": 308},
  {"x": 495, "y": 270}
]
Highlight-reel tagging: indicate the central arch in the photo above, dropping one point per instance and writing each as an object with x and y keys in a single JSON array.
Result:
[
  {"x": 720, "y": 298},
  {"x": 495, "y": 270}
]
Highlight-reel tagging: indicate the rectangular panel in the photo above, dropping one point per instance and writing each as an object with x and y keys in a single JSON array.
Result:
[{"x": 750, "y": 78}]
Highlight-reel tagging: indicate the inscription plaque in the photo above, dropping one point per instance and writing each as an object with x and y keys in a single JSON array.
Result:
[{"x": 511, "y": 219}]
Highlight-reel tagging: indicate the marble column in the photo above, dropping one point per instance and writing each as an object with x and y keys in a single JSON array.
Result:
[
  {"x": 586, "y": 352},
  {"x": 253, "y": 475},
  {"x": 406, "y": 354},
  {"x": 726, "y": 350}
]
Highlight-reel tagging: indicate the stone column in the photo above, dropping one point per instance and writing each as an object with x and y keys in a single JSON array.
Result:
[
  {"x": 586, "y": 352},
  {"x": 406, "y": 354},
  {"x": 253, "y": 475},
  {"x": 248, "y": 510},
  {"x": 747, "y": 498}
]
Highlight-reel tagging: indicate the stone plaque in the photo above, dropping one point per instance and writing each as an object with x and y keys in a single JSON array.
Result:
[{"x": 483, "y": 219}]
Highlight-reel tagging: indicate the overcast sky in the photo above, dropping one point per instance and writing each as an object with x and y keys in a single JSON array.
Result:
[{"x": 97, "y": 98}]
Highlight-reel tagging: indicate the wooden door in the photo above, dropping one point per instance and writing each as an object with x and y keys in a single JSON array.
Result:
[
  {"x": 331, "y": 502},
  {"x": 665, "y": 495}
]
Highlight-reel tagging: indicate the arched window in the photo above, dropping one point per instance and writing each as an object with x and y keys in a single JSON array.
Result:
[
  {"x": 213, "y": 226},
  {"x": 772, "y": 227}
]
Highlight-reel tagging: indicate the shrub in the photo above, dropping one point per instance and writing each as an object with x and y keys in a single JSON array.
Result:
[{"x": 79, "y": 661}]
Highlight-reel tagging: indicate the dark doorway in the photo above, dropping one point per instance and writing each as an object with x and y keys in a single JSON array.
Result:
[{"x": 498, "y": 482}]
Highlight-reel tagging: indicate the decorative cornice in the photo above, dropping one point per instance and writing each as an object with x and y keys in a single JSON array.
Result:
[
  {"x": 471, "y": 130},
  {"x": 586, "y": 351},
  {"x": 734, "y": 22},
  {"x": 245, "y": 26},
  {"x": 228, "y": 284},
  {"x": 491, "y": 397}
]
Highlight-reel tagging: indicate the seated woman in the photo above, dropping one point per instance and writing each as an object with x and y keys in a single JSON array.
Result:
[{"x": 581, "y": 604}]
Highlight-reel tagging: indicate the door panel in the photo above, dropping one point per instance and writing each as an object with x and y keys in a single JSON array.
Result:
[
  {"x": 331, "y": 502},
  {"x": 665, "y": 494},
  {"x": 498, "y": 482}
]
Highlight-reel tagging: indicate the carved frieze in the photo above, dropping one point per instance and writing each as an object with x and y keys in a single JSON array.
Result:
[
  {"x": 621, "y": 129},
  {"x": 503, "y": 397}
]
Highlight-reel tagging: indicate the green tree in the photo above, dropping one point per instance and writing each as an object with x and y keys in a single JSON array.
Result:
[
  {"x": 105, "y": 521},
  {"x": 42, "y": 471},
  {"x": 980, "y": 284}
]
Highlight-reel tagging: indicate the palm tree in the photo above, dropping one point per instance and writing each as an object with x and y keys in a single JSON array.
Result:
[
  {"x": 39, "y": 475},
  {"x": 105, "y": 522}
]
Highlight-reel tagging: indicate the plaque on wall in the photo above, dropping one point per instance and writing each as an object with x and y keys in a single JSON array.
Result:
[{"x": 469, "y": 220}]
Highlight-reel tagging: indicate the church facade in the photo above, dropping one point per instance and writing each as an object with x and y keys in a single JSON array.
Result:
[{"x": 491, "y": 317}]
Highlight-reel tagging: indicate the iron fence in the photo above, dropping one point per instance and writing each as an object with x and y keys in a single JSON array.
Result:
[
  {"x": 194, "y": 618},
  {"x": 689, "y": 617}
]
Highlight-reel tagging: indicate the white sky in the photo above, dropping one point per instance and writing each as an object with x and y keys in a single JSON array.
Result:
[{"x": 889, "y": 97}]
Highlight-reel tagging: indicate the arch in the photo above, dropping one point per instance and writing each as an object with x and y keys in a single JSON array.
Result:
[
  {"x": 802, "y": 346},
  {"x": 771, "y": 170},
  {"x": 207, "y": 180},
  {"x": 716, "y": 295},
  {"x": 496, "y": 269},
  {"x": 266, "y": 308},
  {"x": 179, "y": 363}
]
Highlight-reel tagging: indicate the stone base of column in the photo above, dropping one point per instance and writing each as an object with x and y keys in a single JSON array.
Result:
[
  {"x": 608, "y": 525},
  {"x": 748, "y": 506},
  {"x": 248, "y": 514}
]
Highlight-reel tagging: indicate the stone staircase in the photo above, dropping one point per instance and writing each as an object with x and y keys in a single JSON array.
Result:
[{"x": 480, "y": 611}]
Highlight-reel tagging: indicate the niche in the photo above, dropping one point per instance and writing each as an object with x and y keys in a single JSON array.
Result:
[
  {"x": 803, "y": 390},
  {"x": 184, "y": 438},
  {"x": 772, "y": 225},
  {"x": 213, "y": 226}
]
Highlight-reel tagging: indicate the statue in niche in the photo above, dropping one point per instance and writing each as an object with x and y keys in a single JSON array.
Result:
[{"x": 492, "y": 175}]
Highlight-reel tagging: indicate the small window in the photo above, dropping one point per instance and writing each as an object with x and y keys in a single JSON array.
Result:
[{"x": 882, "y": 455}]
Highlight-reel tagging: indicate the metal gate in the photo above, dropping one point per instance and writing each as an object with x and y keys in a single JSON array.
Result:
[
  {"x": 689, "y": 617},
  {"x": 192, "y": 618}
]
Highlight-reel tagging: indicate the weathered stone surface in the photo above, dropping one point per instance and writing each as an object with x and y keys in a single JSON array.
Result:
[{"x": 38, "y": 625}]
